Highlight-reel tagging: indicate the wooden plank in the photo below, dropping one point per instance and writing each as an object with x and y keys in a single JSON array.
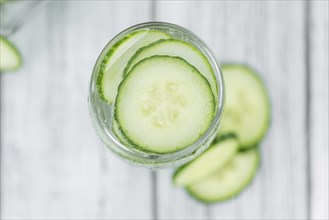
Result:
[
  {"x": 269, "y": 36},
  {"x": 319, "y": 71},
  {"x": 53, "y": 163}
]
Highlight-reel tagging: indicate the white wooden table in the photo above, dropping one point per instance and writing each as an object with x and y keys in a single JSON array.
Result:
[{"x": 53, "y": 165}]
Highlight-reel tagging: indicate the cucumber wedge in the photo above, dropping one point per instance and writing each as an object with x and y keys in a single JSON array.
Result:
[
  {"x": 10, "y": 58},
  {"x": 216, "y": 157},
  {"x": 164, "y": 104},
  {"x": 112, "y": 67},
  {"x": 173, "y": 47},
  {"x": 247, "y": 106},
  {"x": 229, "y": 181}
]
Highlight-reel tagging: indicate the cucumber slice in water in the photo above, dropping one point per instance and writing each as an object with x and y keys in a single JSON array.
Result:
[
  {"x": 10, "y": 58},
  {"x": 216, "y": 157},
  {"x": 111, "y": 72},
  {"x": 164, "y": 104},
  {"x": 173, "y": 47},
  {"x": 229, "y": 181},
  {"x": 247, "y": 106},
  {"x": 118, "y": 133}
]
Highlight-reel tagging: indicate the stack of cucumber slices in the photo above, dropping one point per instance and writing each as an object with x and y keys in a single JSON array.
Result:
[
  {"x": 230, "y": 164},
  {"x": 163, "y": 90}
]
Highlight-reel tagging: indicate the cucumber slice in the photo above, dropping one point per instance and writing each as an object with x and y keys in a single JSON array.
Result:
[
  {"x": 111, "y": 72},
  {"x": 217, "y": 156},
  {"x": 118, "y": 133},
  {"x": 229, "y": 181},
  {"x": 173, "y": 47},
  {"x": 10, "y": 58},
  {"x": 164, "y": 104},
  {"x": 247, "y": 106}
]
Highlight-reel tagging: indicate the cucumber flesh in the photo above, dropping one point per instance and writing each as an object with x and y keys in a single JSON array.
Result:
[
  {"x": 111, "y": 72},
  {"x": 173, "y": 47},
  {"x": 247, "y": 106},
  {"x": 10, "y": 58},
  {"x": 164, "y": 104},
  {"x": 229, "y": 181},
  {"x": 216, "y": 157}
]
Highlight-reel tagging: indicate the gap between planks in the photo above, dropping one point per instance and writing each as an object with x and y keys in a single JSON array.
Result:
[{"x": 307, "y": 8}]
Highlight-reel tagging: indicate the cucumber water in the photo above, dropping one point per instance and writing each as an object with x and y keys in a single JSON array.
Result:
[{"x": 162, "y": 89}]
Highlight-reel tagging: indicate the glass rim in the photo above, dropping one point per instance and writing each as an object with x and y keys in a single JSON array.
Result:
[{"x": 158, "y": 159}]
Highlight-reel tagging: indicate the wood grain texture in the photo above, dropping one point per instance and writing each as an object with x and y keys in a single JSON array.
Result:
[
  {"x": 53, "y": 163},
  {"x": 269, "y": 36},
  {"x": 319, "y": 72}
]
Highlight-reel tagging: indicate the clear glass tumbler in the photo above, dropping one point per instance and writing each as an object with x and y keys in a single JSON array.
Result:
[{"x": 102, "y": 112}]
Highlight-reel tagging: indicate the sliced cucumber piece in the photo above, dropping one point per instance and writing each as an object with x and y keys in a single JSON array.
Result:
[
  {"x": 229, "y": 181},
  {"x": 164, "y": 104},
  {"x": 10, "y": 58},
  {"x": 217, "y": 156},
  {"x": 247, "y": 106},
  {"x": 118, "y": 133},
  {"x": 111, "y": 72},
  {"x": 173, "y": 47}
]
